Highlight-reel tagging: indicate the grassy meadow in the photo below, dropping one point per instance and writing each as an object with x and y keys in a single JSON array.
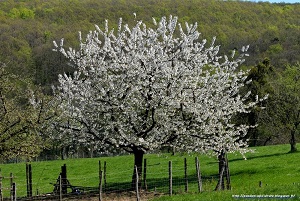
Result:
[{"x": 278, "y": 171}]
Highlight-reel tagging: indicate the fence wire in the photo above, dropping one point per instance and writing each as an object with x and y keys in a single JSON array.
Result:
[{"x": 156, "y": 180}]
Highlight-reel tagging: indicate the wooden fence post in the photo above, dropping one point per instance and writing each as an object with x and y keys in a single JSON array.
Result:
[
  {"x": 145, "y": 174},
  {"x": 137, "y": 184},
  {"x": 11, "y": 186},
  {"x": 14, "y": 192},
  {"x": 11, "y": 178},
  {"x": 64, "y": 183},
  {"x": 170, "y": 178},
  {"x": 104, "y": 174},
  {"x": 100, "y": 180},
  {"x": 60, "y": 188},
  {"x": 198, "y": 174},
  {"x": 185, "y": 175},
  {"x": 100, "y": 184},
  {"x": 29, "y": 180}
]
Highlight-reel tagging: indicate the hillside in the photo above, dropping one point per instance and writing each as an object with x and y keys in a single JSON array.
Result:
[{"x": 28, "y": 28}]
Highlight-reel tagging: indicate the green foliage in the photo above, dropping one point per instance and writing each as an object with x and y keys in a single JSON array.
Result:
[
  {"x": 275, "y": 49},
  {"x": 291, "y": 78},
  {"x": 19, "y": 119},
  {"x": 28, "y": 27},
  {"x": 279, "y": 121},
  {"x": 260, "y": 76},
  {"x": 290, "y": 90},
  {"x": 23, "y": 13},
  {"x": 272, "y": 30}
]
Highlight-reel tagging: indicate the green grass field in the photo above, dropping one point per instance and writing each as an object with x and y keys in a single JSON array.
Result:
[{"x": 278, "y": 171}]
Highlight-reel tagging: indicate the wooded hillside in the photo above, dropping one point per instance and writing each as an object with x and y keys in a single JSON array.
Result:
[{"x": 28, "y": 28}]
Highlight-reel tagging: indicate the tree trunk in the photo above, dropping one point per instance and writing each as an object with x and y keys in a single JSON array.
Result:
[
  {"x": 227, "y": 172},
  {"x": 62, "y": 153},
  {"x": 221, "y": 159},
  {"x": 293, "y": 141},
  {"x": 138, "y": 162},
  {"x": 267, "y": 140},
  {"x": 173, "y": 151},
  {"x": 223, "y": 172}
]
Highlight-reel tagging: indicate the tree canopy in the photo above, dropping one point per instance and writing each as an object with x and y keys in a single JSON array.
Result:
[
  {"x": 143, "y": 88},
  {"x": 18, "y": 119}
]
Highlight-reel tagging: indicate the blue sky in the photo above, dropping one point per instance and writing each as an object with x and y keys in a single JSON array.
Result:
[{"x": 279, "y": 1}]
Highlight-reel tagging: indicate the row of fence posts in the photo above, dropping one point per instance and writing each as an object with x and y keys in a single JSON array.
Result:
[
  {"x": 12, "y": 188},
  {"x": 102, "y": 178},
  {"x": 63, "y": 181},
  {"x": 60, "y": 188},
  {"x": 198, "y": 174}
]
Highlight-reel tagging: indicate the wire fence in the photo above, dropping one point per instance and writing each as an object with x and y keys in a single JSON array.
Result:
[{"x": 165, "y": 177}]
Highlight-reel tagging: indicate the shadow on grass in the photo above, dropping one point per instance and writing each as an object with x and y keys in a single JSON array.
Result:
[
  {"x": 263, "y": 156},
  {"x": 159, "y": 185}
]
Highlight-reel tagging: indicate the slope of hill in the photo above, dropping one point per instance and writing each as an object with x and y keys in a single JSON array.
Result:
[
  {"x": 28, "y": 28},
  {"x": 270, "y": 170}
]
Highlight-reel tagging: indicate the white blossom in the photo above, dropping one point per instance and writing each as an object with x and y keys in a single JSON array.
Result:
[{"x": 145, "y": 87}]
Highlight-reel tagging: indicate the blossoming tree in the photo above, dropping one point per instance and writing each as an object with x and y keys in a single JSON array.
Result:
[
  {"x": 143, "y": 88},
  {"x": 208, "y": 112}
]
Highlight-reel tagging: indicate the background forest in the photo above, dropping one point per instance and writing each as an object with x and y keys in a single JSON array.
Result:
[{"x": 28, "y": 27}]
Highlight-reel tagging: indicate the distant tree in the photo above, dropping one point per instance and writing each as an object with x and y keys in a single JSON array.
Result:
[
  {"x": 279, "y": 120},
  {"x": 143, "y": 88},
  {"x": 23, "y": 13},
  {"x": 18, "y": 136},
  {"x": 260, "y": 85},
  {"x": 290, "y": 102}
]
